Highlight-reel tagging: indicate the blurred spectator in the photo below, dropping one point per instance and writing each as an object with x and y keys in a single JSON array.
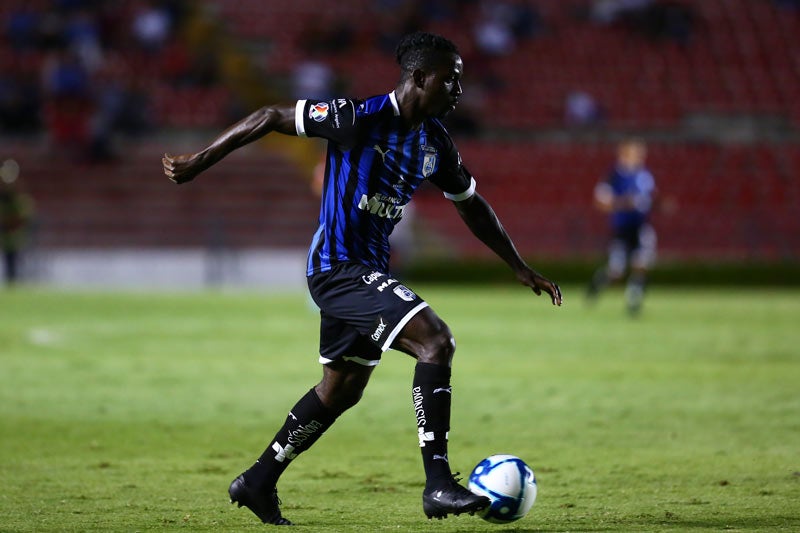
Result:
[
  {"x": 582, "y": 109},
  {"x": 655, "y": 20},
  {"x": 16, "y": 213},
  {"x": 67, "y": 68},
  {"x": 312, "y": 79},
  {"x": 526, "y": 19},
  {"x": 20, "y": 98},
  {"x": 493, "y": 39},
  {"x": 22, "y": 28},
  {"x": 151, "y": 26},
  {"x": 493, "y": 34},
  {"x": 68, "y": 103},
  {"x": 64, "y": 76},
  {"x": 120, "y": 109},
  {"x": 610, "y": 11},
  {"x": 82, "y": 33}
]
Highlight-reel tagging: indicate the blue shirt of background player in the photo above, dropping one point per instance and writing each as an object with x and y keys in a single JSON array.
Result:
[
  {"x": 637, "y": 183},
  {"x": 373, "y": 166}
]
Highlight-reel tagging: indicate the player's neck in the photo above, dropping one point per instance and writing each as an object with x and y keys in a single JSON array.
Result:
[{"x": 408, "y": 103}]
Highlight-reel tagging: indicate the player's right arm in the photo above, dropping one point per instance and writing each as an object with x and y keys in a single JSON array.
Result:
[{"x": 280, "y": 118}]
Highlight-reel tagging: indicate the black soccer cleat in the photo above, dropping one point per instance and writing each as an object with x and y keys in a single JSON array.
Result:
[
  {"x": 451, "y": 498},
  {"x": 264, "y": 504}
]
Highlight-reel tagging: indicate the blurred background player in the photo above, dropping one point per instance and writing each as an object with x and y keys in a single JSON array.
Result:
[
  {"x": 627, "y": 196},
  {"x": 16, "y": 210}
]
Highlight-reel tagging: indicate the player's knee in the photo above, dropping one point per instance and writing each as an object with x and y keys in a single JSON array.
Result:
[
  {"x": 440, "y": 348},
  {"x": 341, "y": 396},
  {"x": 341, "y": 400}
]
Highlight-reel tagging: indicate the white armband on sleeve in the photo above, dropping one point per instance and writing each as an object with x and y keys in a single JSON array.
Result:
[
  {"x": 299, "y": 125},
  {"x": 464, "y": 195}
]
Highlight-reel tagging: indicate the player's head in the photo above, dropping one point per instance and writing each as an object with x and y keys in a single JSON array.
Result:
[
  {"x": 631, "y": 153},
  {"x": 434, "y": 65},
  {"x": 9, "y": 171}
]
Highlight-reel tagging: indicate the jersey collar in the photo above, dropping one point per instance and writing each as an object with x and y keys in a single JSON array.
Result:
[{"x": 395, "y": 105}]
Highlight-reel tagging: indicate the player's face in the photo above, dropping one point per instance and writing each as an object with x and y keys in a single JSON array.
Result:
[
  {"x": 443, "y": 87},
  {"x": 632, "y": 154}
]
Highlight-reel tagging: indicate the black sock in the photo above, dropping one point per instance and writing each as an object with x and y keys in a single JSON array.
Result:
[
  {"x": 598, "y": 283},
  {"x": 306, "y": 423},
  {"x": 431, "y": 394},
  {"x": 634, "y": 293}
]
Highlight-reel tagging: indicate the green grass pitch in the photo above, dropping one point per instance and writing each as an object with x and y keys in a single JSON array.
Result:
[{"x": 133, "y": 412}]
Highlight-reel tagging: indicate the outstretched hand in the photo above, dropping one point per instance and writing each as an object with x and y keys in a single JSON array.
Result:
[
  {"x": 539, "y": 283},
  {"x": 181, "y": 168}
]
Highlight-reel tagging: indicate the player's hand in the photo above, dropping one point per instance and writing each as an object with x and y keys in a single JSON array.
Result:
[
  {"x": 181, "y": 168},
  {"x": 539, "y": 283}
]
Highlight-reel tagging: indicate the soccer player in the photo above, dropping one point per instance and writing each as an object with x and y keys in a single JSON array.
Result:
[
  {"x": 379, "y": 151},
  {"x": 16, "y": 214},
  {"x": 627, "y": 196}
]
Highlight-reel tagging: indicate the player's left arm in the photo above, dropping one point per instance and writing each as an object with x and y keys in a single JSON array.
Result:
[{"x": 481, "y": 219}]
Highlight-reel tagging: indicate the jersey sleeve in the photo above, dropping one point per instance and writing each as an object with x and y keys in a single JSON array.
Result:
[
  {"x": 334, "y": 120},
  {"x": 452, "y": 177}
]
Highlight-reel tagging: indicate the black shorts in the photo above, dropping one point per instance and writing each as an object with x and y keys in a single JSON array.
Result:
[{"x": 361, "y": 311}]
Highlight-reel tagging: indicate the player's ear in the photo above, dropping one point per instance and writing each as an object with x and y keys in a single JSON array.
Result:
[{"x": 419, "y": 78}]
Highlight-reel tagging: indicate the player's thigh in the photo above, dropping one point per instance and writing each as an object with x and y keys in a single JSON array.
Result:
[
  {"x": 341, "y": 341},
  {"x": 426, "y": 337}
]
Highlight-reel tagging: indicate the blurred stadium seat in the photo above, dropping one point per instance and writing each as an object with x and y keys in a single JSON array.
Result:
[{"x": 735, "y": 197}]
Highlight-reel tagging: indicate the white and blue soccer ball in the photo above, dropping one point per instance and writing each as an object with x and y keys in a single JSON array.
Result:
[{"x": 509, "y": 483}]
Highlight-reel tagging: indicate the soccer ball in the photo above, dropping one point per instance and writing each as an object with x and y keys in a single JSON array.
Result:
[{"x": 509, "y": 483}]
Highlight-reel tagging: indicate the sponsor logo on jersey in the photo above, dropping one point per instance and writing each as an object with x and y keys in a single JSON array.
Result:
[
  {"x": 405, "y": 293},
  {"x": 403, "y": 185},
  {"x": 371, "y": 277},
  {"x": 381, "y": 205},
  {"x": 386, "y": 284},
  {"x": 318, "y": 112},
  {"x": 335, "y": 108},
  {"x": 376, "y": 335}
]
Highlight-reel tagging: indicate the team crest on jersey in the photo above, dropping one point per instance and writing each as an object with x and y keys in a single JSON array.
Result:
[
  {"x": 318, "y": 111},
  {"x": 405, "y": 293},
  {"x": 430, "y": 162}
]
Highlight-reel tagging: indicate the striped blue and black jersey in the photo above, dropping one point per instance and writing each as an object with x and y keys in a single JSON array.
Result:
[
  {"x": 637, "y": 183},
  {"x": 374, "y": 164}
]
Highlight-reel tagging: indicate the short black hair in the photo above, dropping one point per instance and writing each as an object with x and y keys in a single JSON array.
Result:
[{"x": 421, "y": 49}]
